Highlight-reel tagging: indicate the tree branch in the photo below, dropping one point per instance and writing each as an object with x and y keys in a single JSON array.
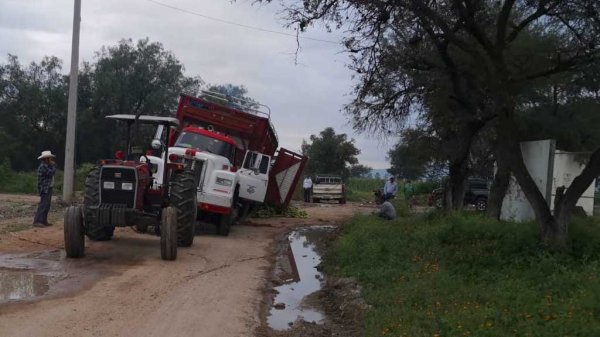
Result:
[{"x": 502, "y": 23}]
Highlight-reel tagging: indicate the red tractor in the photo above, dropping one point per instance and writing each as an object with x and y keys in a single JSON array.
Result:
[{"x": 123, "y": 192}]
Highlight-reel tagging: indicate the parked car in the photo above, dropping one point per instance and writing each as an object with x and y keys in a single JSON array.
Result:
[
  {"x": 329, "y": 187},
  {"x": 476, "y": 194}
]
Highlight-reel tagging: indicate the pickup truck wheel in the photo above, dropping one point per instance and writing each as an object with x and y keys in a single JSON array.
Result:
[
  {"x": 73, "y": 230},
  {"x": 183, "y": 198},
  {"x": 168, "y": 234},
  {"x": 481, "y": 204},
  {"x": 438, "y": 202}
]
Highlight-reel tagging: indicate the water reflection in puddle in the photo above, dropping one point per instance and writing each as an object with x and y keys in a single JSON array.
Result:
[
  {"x": 18, "y": 285},
  {"x": 303, "y": 279}
]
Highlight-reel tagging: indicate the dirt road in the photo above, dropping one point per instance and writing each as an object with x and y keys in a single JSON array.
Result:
[{"x": 123, "y": 288}]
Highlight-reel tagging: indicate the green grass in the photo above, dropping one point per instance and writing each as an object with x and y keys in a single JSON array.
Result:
[
  {"x": 466, "y": 275},
  {"x": 26, "y": 182},
  {"x": 361, "y": 189}
]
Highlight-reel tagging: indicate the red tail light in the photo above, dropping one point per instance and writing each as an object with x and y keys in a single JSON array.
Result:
[
  {"x": 232, "y": 169},
  {"x": 173, "y": 157},
  {"x": 120, "y": 155},
  {"x": 190, "y": 152}
]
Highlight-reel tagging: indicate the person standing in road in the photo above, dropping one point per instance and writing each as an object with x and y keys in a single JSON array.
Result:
[
  {"x": 45, "y": 185},
  {"x": 307, "y": 185},
  {"x": 389, "y": 189}
]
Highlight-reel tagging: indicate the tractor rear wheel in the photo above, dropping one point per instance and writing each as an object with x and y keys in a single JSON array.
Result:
[
  {"x": 73, "y": 230},
  {"x": 91, "y": 197},
  {"x": 168, "y": 234},
  {"x": 183, "y": 198}
]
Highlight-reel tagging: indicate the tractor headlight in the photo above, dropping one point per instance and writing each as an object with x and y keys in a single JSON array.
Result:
[
  {"x": 109, "y": 185},
  {"x": 224, "y": 182},
  {"x": 127, "y": 186}
]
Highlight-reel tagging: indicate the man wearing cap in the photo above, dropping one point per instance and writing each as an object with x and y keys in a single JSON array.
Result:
[{"x": 45, "y": 184}]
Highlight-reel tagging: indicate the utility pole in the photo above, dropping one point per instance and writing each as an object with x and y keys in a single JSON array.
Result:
[{"x": 72, "y": 109}]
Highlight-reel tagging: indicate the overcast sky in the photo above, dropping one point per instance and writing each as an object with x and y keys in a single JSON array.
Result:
[{"x": 304, "y": 98}]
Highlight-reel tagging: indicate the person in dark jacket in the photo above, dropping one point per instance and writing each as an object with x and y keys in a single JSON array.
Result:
[{"x": 45, "y": 185}]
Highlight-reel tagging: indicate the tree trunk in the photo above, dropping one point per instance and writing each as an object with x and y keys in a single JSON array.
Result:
[
  {"x": 564, "y": 207},
  {"x": 510, "y": 149},
  {"x": 499, "y": 187},
  {"x": 455, "y": 189},
  {"x": 458, "y": 147}
]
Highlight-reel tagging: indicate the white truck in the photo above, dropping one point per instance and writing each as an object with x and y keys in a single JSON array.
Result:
[
  {"x": 329, "y": 187},
  {"x": 236, "y": 145}
]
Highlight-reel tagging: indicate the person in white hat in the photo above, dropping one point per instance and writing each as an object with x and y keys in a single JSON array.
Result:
[{"x": 45, "y": 184}]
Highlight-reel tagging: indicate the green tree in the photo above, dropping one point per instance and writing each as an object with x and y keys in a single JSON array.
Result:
[
  {"x": 359, "y": 170},
  {"x": 32, "y": 110},
  {"x": 330, "y": 153},
  {"x": 483, "y": 50},
  {"x": 128, "y": 78},
  {"x": 235, "y": 96}
]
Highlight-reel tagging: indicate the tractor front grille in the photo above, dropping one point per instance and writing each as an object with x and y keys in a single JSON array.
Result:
[{"x": 113, "y": 179}]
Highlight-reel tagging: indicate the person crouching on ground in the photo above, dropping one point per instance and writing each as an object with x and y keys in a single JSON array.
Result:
[
  {"x": 307, "y": 185},
  {"x": 387, "y": 211},
  {"x": 45, "y": 185}
]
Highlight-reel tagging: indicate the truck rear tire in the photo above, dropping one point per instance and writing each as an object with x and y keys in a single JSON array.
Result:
[
  {"x": 91, "y": 197},
  {"x": 73, "y": 230},
  {"x": 168, "y": 234},
  {"x": 183, "y": 198},
  {"x": 225, "y": 222}
]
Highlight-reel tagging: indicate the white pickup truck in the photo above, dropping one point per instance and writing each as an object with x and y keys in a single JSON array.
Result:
[{"x": 329, "y": 187}]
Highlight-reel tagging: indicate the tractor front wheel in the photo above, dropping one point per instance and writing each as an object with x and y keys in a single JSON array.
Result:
[
  {"x": 73, "y": 230},
  {"x": 183, "y": 198},
  {"x": 168, "y": 234},
  {"x": 91, "y": 197}
]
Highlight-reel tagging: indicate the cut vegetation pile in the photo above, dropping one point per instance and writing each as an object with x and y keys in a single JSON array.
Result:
[{"x": 466, "y": 275}]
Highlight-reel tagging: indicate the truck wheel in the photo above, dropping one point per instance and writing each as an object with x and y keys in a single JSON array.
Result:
[
  {"x": 168, "y": 234},
  {"x": 244, "y": 213},
  {"x": 141, "y": 228},
  {"x": 91, "y": 197},
  {"x": 73, "y": 229},
  {"x": 481, "y": 204},
  {"x": 225, "y": 222},
  {"x": 183, "y": 198}
]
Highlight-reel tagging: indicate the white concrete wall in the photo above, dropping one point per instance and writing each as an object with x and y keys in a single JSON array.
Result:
[
  {"x": 536, "y": 155},
  {"x": 549, "y": 172},
  {"x": 567, "y": 166}
]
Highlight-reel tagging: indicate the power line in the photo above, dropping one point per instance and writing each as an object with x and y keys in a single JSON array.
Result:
[{"x": 239, "y": 24}]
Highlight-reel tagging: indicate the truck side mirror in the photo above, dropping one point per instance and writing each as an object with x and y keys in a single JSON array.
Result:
[{"x": 156, "y": 144}]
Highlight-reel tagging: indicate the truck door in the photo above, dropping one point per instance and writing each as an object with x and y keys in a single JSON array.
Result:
[
  {"x": 253, "y": 177},
  {"x": 284, "y": 176}
]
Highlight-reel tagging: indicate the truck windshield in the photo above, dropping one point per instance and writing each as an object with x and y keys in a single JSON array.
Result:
[{"x": 205, "y": 143}]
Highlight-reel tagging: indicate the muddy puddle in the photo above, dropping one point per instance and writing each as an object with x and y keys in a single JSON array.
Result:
[
  {"x": 34, "y": 276},
  {"x": 296, "y": 272}
]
